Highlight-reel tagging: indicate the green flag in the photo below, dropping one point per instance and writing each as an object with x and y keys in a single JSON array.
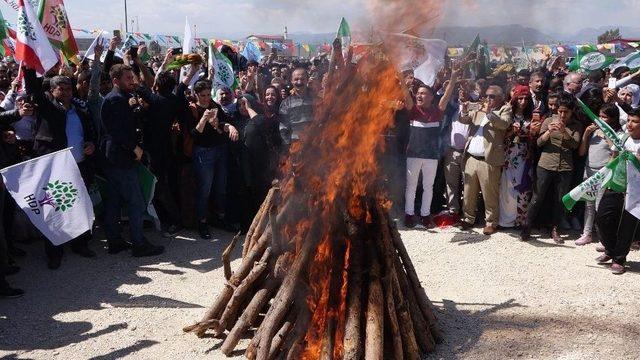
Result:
[
  {"x": 344, "y": 33},
  {"x": 613, "y": 176},
  {"x": 608, "y": 131},
  {"x": 223, "y": 70},
  {"x": 588, "y": 58},
  {"x": 3, "y": 28}
]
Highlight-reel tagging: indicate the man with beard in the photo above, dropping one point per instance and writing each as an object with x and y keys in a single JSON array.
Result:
[{"x": 296, "y": 111}]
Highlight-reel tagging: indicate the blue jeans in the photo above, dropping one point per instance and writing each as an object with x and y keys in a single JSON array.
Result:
[
  {"x": 210, "y": 165},
  {"x": 123, "y": 186}
]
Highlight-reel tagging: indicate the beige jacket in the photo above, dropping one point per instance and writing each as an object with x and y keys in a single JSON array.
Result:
[{"x": 494, "y": 131}]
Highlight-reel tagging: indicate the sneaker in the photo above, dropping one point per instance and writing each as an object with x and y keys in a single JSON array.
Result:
[
  {"x": 525, "y": 233},
  {"x": 171, "y": 231},
  {"x": 147, "y": 249},
  {"x": 427, "y": 221},
  {"x": 600, "y": 248},
  {"x": 118, "y": 247},
  {"x": 409, "y": 221},
  {"x": 584, "y": 240},
  {"x": 203, "y": 230},
  {"x": 617, "y": 269},
  {"x": 603, "y": 259},
  {"x": 555, "y": 236},
  {"x": 83, "y": 251},
  {"x": 8, "y": 292}
]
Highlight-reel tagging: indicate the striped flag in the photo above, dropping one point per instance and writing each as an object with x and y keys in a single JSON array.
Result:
[
  {"x": 55, "y": 23},
  {"x": 32, "y": 46}
]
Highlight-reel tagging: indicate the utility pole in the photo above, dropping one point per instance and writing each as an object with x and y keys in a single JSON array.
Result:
[{"x": 126, "y": 18}]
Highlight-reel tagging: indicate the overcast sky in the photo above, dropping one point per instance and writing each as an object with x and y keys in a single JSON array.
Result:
[{"x": 270, "y": 16}]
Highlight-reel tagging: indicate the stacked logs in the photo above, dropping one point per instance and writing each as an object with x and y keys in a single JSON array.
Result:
[{"x": 383, "y": 314}]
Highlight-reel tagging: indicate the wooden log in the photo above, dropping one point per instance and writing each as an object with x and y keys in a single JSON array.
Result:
[
  {"x": 352, "y": 343},
  {"x": 411, "y": 350},
  {"x": 257, "y": 220},
  {"x": 420, "y": 327},
  {"x": 390, "y": 310},
  {"x": 374, "y": 325},
  {"x": 231, "y": 310},
  {"x": 226, "y": 256},
  {"x": 294, "y": 342},
  {"x": 249, "y": 314},
  {"x": 223, "y": 298},
  {"x": 285, "y": 297},
  {"x": 276, "y": 237},
  {"x": 278, "y": 340},
  {"x": 422, "y": 299}
]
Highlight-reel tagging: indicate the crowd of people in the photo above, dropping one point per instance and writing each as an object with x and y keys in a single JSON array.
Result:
[{"x": 507, "y": 144}]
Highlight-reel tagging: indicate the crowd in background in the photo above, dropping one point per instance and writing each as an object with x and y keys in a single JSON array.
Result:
[{"x": 504, "y": 145}]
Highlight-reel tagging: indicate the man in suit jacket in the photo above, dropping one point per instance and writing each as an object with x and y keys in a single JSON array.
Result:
[
  {"x": 61, "y": 123},
  {"x": 122, "y": 152},
  {"x": 484, "y": 156}
]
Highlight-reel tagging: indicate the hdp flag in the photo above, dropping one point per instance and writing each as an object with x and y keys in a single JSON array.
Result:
[
  {"x": 32, "y": 46},
  {"x": 55, "y": 23},
  {"x": 588, "y": 58},
  {"x": 223, "y": 70},
  {"x": 50, "y": 190}
]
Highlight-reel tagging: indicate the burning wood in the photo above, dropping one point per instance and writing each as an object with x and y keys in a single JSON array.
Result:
[{"x": 324, "y": 273}]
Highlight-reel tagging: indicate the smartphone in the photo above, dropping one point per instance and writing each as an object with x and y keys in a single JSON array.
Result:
[
  {"x": 612, "y": 82},
  {"x": 176, "y": 51},
  {"x": 116, "y": 33},
  {"x": 473, "y": 106}
]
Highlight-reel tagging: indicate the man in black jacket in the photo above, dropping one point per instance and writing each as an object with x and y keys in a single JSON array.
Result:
[
  {"x": 122, "y": 152},
  {"x": 61, "y": 124}
]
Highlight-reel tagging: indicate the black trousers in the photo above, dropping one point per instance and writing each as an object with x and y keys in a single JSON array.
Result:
[
  {"x": 164, "y": 201},
  {"x": 52, "y": 251},
  {"x": 549, "y": 181},
  {"x": 618, "y": 229}
]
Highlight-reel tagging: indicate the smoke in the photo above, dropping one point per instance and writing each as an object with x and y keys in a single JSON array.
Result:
[{"x": 416, "y": 17}]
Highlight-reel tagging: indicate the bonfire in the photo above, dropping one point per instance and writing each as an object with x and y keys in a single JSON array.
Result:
[{"x": 324, "y": 273}]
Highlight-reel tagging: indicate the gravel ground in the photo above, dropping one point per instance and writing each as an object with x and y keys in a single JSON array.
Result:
[{"x": 495, "y": 298}]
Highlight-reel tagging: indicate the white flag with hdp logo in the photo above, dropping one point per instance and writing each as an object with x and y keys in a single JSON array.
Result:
[{"x": 52, "y": 193}]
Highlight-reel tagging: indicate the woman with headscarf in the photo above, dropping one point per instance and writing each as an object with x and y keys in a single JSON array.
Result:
[
  {"x": 628, "y": 99},
  {"x": 516, "y": 182},
  {"x": 264, "y": 145}
]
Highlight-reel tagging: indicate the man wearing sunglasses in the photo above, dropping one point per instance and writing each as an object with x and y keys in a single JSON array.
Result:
[{"x": 484, "y": 156}]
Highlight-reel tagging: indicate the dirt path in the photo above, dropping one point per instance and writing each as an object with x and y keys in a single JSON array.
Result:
[{"x": 495, "y": 297}]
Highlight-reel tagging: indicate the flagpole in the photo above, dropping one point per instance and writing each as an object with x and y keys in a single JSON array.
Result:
[
  {"x": 126, "y": 18},
  {"x": 34, "y": 159}
]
